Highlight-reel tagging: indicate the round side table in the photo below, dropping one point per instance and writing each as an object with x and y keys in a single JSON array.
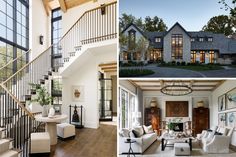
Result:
[
  {"x": 130, "y": 152},
  {"x": 51, "y": 127}
]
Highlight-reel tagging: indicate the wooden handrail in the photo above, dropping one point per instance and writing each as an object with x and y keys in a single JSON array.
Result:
[
  {"x": 14, "y": 59},
  {"x": 17, "y": 101},
  {"x": 86, "y": 13}
]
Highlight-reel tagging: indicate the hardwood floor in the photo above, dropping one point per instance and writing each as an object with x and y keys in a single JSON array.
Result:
[{"x": 100, "y": 142}]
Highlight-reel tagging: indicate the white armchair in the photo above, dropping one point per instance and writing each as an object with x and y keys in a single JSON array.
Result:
[{"x": 218, "y": 143}]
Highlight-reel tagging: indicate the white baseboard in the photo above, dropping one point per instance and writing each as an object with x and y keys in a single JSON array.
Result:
[{"x": 92, "y": 125}]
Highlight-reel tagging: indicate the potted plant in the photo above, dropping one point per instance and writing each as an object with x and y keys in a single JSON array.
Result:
[{"x": 43, "y": 98}]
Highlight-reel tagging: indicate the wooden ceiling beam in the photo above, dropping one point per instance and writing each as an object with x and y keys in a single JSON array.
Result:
[
  {"x": 63, "y": 5},
  {"x": 74, "y": 3},
  {"x": 46, "y": 6},
  {"x": 108, "y": 64}
]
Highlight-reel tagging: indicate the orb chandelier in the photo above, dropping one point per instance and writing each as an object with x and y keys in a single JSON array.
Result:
[{"x": 176, "y": 88}]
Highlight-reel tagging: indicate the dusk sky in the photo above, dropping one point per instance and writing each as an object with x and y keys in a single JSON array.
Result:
[{"x": 191, "y": 14}]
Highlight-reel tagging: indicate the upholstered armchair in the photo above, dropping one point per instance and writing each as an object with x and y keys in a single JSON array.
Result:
[{"x": 218, "y": 143}]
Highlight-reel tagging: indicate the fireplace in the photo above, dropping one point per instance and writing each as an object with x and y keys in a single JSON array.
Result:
[{"x": 178, "y": 127}]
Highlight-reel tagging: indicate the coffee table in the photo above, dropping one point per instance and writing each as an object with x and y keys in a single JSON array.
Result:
[{"x": 165, "y": 140}]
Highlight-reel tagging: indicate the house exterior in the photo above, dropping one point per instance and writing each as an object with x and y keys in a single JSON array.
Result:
[{"x": 178, "y": 45}]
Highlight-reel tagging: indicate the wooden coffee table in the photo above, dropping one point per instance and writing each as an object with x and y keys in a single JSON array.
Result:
[{"x": 165, "y": 140}]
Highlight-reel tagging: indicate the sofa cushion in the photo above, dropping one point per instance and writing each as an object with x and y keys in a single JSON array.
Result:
[
  {"x": 148, "y": 129},
  {"x": 148, "y": 139},
  {"x": 131, "y": 134},
  {"x": 138, "y": 131}
]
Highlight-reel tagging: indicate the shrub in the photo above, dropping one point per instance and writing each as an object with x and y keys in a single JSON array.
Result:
[
  {"x": 234, "y": 62},
  {"x": 173, "y": 62},
  {"x": 135, "y": 72},
  {"x": 178, "y": 63},
  {"x": 183, "y": 63}
]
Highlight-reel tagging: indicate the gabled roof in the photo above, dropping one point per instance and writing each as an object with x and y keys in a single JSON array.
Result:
[
  {"x": 136, "y": 27},
  {"x": 177, "y": 24}
]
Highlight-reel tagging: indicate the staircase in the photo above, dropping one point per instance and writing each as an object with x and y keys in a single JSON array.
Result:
[
  {"x": 94, "y": 26},
  {"x": 6, "y": 146}
]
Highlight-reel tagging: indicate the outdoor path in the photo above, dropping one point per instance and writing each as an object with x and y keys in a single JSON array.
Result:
[{"x": 175, "y": 72}]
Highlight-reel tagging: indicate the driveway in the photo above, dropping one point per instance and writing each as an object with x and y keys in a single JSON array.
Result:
[{"x": 175, "y": 72}]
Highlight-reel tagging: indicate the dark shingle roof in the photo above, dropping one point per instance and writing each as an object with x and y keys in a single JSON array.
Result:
[
  {"x": 220, "y": 41},
  {"x": 151, "y": 37}
]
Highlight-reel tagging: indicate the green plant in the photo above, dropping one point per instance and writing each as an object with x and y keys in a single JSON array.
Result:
[
  {"x": 171, "y": 126},
  {"x": 42, "y": 96}
]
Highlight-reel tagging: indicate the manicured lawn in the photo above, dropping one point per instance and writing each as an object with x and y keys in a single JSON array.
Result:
[
  {"x": 196, "y": 67},
  {"x": 135, "y": 72}
]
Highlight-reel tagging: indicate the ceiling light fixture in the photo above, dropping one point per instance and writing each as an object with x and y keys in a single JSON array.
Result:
[{"x": 176, "y": 88}]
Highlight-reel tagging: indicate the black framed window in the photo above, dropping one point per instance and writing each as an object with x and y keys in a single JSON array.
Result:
[
  {"x": 14, "y": 34},
  {"x": 177, "y": 46},
  {"x": 202, "y": 56},
  {"x": 56, "y": 28},
  {"x": 56, "y": 34},
  {"x": 193, "y": 56}
]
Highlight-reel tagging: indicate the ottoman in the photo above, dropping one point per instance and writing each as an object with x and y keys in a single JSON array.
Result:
[
  {"x": 40, "y": 142},
  {"x": 182, "y": 149},
  {"x": 65, "y": 130}
]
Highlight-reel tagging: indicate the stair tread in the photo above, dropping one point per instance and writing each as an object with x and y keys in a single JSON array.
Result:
[
  {"x": 9, "y": 153},
  {"x": 4, "y": 140},
  {"x": 2, "y": 129}
]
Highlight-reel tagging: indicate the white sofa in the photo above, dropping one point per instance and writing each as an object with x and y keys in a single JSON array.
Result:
[
  {"x": 141, "y": 144},
  {"x": 218, "y": 143}
]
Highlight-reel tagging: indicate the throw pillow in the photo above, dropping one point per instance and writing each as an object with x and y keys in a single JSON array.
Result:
[
  {"x": 132, "y": 135},
  {"x": 148, "y": 129},
  {"x": 138, "y": 131},
  {"x": 125, "y": 132}
]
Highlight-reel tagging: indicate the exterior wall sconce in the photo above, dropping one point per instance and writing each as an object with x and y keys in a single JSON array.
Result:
[
  {"x": 103, "y": 9},
  {"x": 41, "y": 39}
]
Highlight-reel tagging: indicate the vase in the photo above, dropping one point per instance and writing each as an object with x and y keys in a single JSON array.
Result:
[
  {"x": 171, "y": 132},
  {"x": 45, "y": 111},
  {"x": 51, "y": 112}
]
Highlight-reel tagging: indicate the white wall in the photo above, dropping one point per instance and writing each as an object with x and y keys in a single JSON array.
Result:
[
  {"x": 224, "y": 88},
  {"x": 161, "y": 100},
  {"x": 73, "y": 14},
  {"x": 40, "y": 24},
  {"x": 86, "y": 76}
]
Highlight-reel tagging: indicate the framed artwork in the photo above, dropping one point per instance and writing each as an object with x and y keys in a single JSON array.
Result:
[
  {"x": 231, "y": 99},
  {"x": 177, "y": 109},
  {"x": 231, "y": 119},
  {"x": 78, "y": 93},
  {"x": 222, "y": 119},
  {"x": 222, "y": 103}
]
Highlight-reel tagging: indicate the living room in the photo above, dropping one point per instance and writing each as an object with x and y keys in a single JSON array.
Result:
[{"x": 177, "y": 117}]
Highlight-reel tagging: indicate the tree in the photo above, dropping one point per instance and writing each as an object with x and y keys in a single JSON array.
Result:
[
  {"x": 149, "y": 24},
  {"x": 125, "y": 20},
  {"x": 220, "y": 24},
  {"x": 154, "y": 24},
  {"x": 229, "y": 6},
  {"x": 142, "y": 46}
]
